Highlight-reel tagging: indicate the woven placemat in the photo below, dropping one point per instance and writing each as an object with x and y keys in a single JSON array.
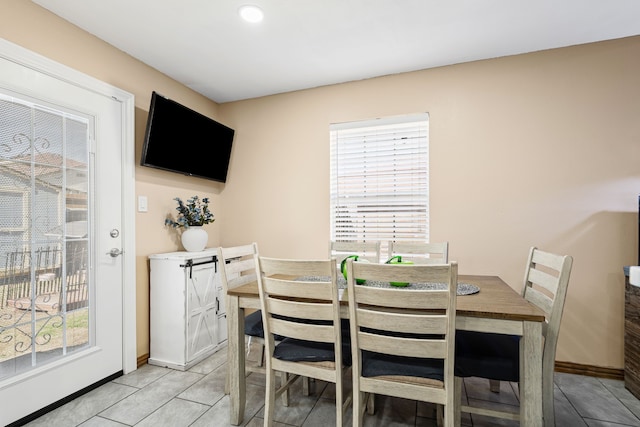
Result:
[{"x": 463, "y": 288}]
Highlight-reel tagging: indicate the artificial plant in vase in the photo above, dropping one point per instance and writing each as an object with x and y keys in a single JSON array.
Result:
[{"x": 192, "y": 215}]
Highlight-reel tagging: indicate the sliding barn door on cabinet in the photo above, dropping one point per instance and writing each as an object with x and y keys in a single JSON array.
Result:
[{"x": 186, "y": 308}]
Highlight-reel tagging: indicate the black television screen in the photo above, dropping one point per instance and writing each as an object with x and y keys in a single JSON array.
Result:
[{"x": 184, "y": 141}]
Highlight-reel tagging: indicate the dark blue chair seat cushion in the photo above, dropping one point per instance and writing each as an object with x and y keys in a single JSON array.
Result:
[
  {"x": 376, "y": 364},
  {"x": 253, "y": 324},
  {"x": 295, "y": 350},
  {"x": 485, "y": 355}
]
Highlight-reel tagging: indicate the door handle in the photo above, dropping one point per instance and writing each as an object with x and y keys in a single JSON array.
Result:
[{"x": 114, "y": 252}]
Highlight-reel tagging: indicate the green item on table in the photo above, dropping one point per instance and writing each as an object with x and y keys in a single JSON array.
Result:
[
  {"x": 398, "y": 260},
  {"x": 343, "y": 267}
]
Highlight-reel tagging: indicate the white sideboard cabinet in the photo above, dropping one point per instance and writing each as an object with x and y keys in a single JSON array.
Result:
[{"x": 187, "y": 308}]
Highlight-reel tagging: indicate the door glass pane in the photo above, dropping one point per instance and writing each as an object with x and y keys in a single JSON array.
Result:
[{"x": 44, "y": 287}]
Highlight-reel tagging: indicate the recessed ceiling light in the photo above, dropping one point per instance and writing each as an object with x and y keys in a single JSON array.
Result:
[{"x": 251, "y": 13}]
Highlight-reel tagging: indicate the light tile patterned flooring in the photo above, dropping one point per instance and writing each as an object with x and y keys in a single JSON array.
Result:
[{"x": 157, "y": 397}]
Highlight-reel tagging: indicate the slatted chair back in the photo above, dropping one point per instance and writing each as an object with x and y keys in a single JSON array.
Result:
[
  {"x": 369, "y": 251},
  {"x": 545, "y": 284},
  {"x": 238, "y": 267},
  {"x": 420, "y": 252},
  {"x": 496, "y": 356},
  {"x": 307, "y": 313},
  {"x": 402, "y": 339}
]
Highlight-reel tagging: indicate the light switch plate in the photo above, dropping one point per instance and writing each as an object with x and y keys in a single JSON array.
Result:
[{"x": 142, "y": 203}]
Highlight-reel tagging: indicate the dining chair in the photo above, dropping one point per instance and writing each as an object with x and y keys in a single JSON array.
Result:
[
  {"x": 238, "y": 268},
  {"x": 420, "y": 252},
  {"x": 307, "y": 314},
  {"x": 369, "y": 251},
  {"x": 497, "y": 356},
  {"x": 402, "y": 339}
]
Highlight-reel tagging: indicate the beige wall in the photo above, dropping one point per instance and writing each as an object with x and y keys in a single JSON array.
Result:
[{"x": 538, "y": 149}]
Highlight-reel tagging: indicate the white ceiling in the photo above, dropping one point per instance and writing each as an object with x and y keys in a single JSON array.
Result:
[{"x": 308, "y": 43}]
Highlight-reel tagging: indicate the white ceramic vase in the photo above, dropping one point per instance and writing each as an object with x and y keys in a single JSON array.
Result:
[{"x": 194, "y": 239}]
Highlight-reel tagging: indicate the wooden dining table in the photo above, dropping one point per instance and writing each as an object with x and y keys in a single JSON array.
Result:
[{"x": 496, "y": 308}]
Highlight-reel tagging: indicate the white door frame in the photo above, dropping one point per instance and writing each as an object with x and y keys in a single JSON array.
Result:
[{"x": 27, "y": 58}]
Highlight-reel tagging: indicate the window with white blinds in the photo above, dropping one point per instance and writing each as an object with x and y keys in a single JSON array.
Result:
[{"x": 380, "y": 180}]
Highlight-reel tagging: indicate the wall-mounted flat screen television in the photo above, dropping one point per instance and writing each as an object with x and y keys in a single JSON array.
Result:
[{"x": 184, "y": 141}]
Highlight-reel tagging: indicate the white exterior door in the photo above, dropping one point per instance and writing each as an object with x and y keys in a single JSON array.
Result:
[{"x": 66, "y": 233}]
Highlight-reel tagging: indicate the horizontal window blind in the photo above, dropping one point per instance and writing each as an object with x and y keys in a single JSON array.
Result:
[{"x": 380, "y": 180}]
